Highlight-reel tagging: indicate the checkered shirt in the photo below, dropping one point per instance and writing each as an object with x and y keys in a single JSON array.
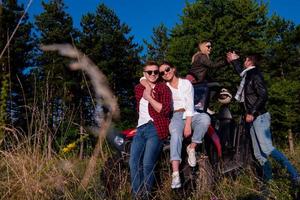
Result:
[{"x": 163, "y": 95}]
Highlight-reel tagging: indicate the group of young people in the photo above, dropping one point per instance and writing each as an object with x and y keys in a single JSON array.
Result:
[{"x": 167, "y": 108}]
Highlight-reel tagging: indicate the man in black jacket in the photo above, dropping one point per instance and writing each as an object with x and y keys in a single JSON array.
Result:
[{"x": 252, "y": 92}]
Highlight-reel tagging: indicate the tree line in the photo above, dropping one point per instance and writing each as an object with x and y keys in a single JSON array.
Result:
[{"x": 46, "y": 101}]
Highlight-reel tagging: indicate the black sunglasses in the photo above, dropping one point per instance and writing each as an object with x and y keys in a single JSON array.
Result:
[
  {"x": 150, "y": 72},
  {"x": 208, "y": 46},
  {"x": 166, "y": 70}
]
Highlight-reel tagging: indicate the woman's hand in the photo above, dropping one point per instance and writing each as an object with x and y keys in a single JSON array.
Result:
[{"x": 187, "y": 131}]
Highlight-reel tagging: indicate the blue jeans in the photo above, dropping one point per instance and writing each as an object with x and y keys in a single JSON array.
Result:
[
  {"x": 200, "y": 123},
  {"x": 145, "y": 149},
  {"x": 263, "y": 148}
]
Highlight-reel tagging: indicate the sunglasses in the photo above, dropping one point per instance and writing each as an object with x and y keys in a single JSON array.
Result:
[
  {"x": 208, "y": 46},
  {"x": 150, "y": 72},
  {"x": 164, "y": 72}
]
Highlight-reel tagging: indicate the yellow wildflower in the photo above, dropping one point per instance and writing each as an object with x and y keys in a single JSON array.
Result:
[{"x": 71, "y": 145}]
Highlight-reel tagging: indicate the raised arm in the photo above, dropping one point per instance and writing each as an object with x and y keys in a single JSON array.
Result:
[
  {"x": 233, "y": 58},
  {"x": 202, "y": 59}
]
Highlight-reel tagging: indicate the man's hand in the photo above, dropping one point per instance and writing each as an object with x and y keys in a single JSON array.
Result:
[
  {"x": 249, "y": 118},
  {"x": 231, "y": 56},
  {"x": 147, "y": 95},
  {"x": 145, "y": 83}
]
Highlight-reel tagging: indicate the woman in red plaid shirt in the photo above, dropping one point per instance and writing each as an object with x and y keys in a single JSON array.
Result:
[{"x": 154, "y": 108}]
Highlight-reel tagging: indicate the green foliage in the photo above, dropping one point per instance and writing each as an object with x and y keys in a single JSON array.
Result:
[
  {"x": 3, "y": 105},
  {"x": 231, "y": 25},
  {"x": 284, "y": 105},
  {"x": 15, "y": 60},
  {"x": 282, "y": 54},
  {"x": 157, "y": 49},
  {"x": 60, "y": 92},
  {"x": 3, "y": 100},
  {"x": 107, "y": 42}
]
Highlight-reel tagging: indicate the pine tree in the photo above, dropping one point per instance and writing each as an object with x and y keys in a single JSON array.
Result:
[
  {"x": 284, "y": 106},
  {"x": 16, "y": 58},
  {"x": 59, "y": 88},
  {"x": 230, "y": 24},
  {"x": 244, "y": 27},
  {"x": 283, "y": 48},
  {"x": 157, "y": 48},
  {"x": 107, "y": 42}
]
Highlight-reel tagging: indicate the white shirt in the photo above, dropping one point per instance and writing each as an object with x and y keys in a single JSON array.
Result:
[
  {"x": 240, "y": 94},
  {"x": 176, "y": 98},
  {"x": 184, "y": 97},
  {"x": 144, "y": 115}
]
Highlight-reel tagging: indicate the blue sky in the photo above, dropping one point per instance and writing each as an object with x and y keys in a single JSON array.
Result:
[{"x": 142, "y": 15}]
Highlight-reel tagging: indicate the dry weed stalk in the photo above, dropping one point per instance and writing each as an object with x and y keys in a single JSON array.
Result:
[
  {"x": 103, "y": 93},
  {"x": 30, "y": 175}
]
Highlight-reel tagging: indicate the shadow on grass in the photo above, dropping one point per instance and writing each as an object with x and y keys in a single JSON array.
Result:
[{"x": 251, "y": 197}]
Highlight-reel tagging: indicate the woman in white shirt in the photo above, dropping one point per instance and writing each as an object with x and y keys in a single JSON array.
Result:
[{"x": 184, "y": 120}]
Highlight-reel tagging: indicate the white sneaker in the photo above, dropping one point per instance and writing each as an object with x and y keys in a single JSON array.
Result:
[
  {"x": 191, "y": 156},
  {"x": 175, "y": 180}
]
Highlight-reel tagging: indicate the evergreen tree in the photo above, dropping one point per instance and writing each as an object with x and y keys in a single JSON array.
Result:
[
  {"x": 283, "y": 45},
  {"x": 230, "y": 24},
  {"x": 107, "y": 42},
  {"x": 59, "y": 88},
  {"x": 157, "y": 49},
  {"x": 283, "y": 67},
  {"x": 284, "y": 105},
  {"x": 242, "y": 26},
  {"x": 14, "y": 60}
]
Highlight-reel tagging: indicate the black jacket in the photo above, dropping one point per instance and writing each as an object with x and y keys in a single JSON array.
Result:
[
  {"x": 201, "y": 64},
  {"x": 255, "y": 90}
]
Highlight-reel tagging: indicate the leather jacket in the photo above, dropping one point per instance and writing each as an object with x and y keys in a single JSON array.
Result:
[
  {"x": 201, "y": 64},
  {"x": 255, "y": 90}
]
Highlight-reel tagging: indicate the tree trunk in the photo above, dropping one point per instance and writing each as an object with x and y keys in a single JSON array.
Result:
[{"x": 291, "y": 141}]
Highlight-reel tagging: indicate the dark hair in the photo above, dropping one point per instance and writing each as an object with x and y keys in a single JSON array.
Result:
[
  {"x": 167, "y": 63},
  {"x": 170, "y": 65},
  {"x": 150, "y": 62},
  {"x": 255, "y": 58}
]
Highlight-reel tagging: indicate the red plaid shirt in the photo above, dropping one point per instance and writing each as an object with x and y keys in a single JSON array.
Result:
[{"x": 163, "y": 95}]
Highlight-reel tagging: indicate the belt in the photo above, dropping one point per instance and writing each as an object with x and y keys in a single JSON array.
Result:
[{"x": 179, "y": 110}]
